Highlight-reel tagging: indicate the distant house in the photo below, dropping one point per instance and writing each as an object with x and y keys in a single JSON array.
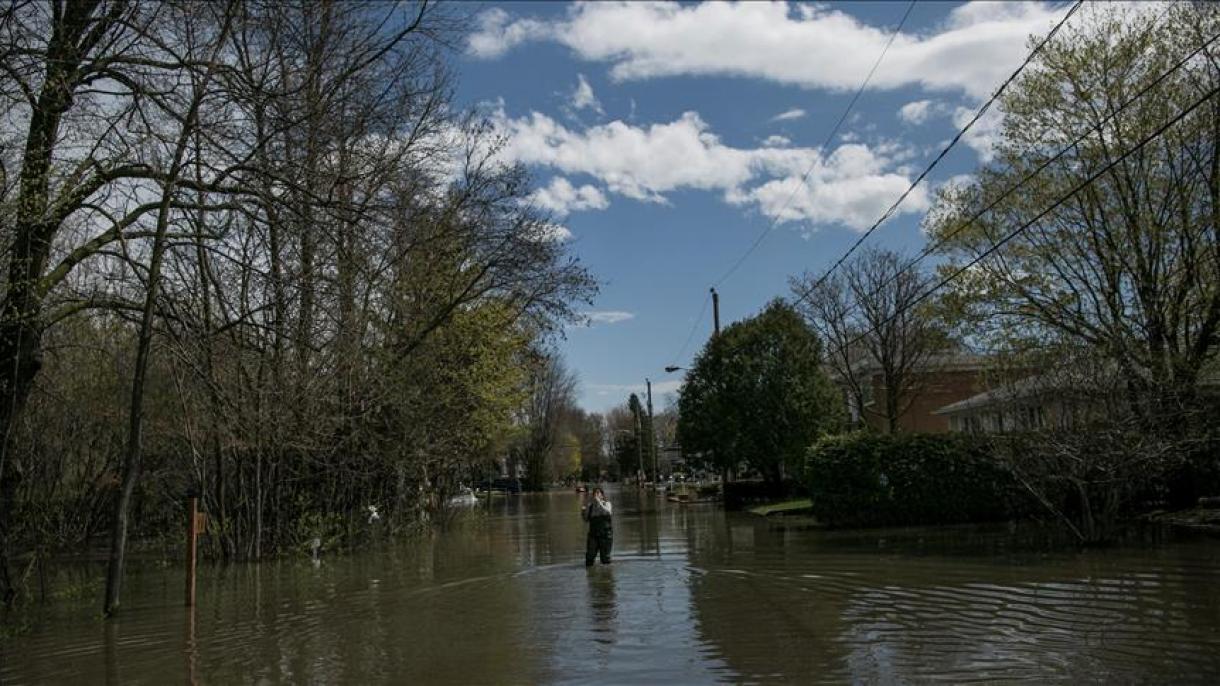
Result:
[
  {"x": 670, "y": 460},
  {"x": 941, "y": 380},
  {"x": 1041, "y": 401}
]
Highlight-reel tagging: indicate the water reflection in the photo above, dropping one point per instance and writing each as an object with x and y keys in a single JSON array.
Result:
[
  {"x": 603, "y": 603},
  {"x": 110, "y": 651},
  {"x": 903, "y": 608},
  {"x": 694, "y": 595},
  {"x": 191, "y": 648}
]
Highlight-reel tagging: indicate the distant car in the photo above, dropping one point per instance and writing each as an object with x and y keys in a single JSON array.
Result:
[
  {"x": 465, "y": 498},
  {"x": 580, "y": 488}
]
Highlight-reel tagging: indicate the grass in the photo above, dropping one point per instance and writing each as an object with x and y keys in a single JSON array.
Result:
[{"x": 785, "y": 507}]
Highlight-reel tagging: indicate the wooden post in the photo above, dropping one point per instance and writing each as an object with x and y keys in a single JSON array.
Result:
[{"x": 192, "y": 534}]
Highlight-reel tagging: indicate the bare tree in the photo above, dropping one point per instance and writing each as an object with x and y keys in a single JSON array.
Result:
[
  {"x": 342, "y": 274},
  {"x": 867, "y": 314},
  {"x": 80, "y": 67},
  {"x": 204, "y": 37},
  {"x": 1071, "y": 439}
]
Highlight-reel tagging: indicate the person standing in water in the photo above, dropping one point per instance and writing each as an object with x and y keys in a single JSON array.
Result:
[{"x": 601, "y": 536}]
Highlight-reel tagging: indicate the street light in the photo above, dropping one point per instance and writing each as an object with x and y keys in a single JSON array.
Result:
[{"x": 671, "y": 369}]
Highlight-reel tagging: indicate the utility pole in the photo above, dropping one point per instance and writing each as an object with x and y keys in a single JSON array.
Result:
[
  {"x": 652, "y": 437},
  {"x": 639, "y": 447},
  {"x": 716, "y": 335}
]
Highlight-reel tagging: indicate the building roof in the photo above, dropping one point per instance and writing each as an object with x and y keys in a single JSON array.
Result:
[
  {"x": 1029, "y": 387},
  {"x": 935, "y": 362},
  {"x": 1067, "y": 383}
]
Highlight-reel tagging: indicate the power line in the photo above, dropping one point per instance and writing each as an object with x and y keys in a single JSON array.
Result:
[
  {"x": 978, "y": 115},
  {"x": 829, "y": 138},
  {"x": 1020, "y": 229},
  {"x": 932, "y": 247},
  {"x": 1041, "y": 167},
  {"x": 690, "y": 336},
  {"x": 936, "y": 161}
]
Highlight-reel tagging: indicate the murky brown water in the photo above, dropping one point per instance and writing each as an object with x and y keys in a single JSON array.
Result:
[{"x": 694, "y": 596}]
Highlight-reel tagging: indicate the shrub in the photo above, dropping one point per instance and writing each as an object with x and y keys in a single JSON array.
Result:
[
  {"x": 739, "y": 495},
  {"x": 863, "y": 479}
]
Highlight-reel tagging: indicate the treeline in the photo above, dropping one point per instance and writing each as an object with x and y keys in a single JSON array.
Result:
[{"x": 254, "y": 250}]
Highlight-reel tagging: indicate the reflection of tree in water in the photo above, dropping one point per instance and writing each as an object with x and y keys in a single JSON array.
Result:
[
  {"x": 436, "y": 611},
  {"x": 752, "y": 615},
  {"x": 604, "y": 605},
  {"x": 906, "y": 605},
  {"x": 636, "y": 525}
]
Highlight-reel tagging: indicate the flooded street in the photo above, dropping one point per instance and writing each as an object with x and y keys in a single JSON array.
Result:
[{"x": 694, "y": 595}]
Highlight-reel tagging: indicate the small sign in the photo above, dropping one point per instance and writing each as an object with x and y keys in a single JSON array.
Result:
[{"x": 201, "y": 522}]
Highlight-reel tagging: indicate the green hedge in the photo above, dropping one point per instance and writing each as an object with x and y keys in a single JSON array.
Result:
[{"x": 864, "y": 479}]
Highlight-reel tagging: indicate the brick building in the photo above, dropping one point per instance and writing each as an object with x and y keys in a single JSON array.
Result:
[{"x": 942, "y": 380}]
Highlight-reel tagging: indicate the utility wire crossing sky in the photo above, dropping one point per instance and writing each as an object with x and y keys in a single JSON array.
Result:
[{"x": 681, "y": 146}]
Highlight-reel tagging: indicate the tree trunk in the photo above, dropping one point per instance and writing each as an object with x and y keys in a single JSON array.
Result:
[
  {"x": 133, "y": 454},
  {"x": 33, "y": 233}
]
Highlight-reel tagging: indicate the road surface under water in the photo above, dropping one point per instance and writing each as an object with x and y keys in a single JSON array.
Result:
[{"x": 694, "y": 595}]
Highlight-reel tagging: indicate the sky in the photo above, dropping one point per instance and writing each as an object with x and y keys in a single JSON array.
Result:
[{"x": 666, "y": 138}]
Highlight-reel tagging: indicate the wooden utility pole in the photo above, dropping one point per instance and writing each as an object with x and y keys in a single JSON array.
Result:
[
  {"x": 639, "y": 447},
  {"x": 716, "y": 335},
  {"x": 652, "y": 437}
]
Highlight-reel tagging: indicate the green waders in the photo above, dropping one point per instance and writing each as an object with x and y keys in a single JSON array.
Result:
[{"x": 600, "y": 538}]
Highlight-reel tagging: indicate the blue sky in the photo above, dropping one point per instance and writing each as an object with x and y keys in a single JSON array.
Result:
[{"x": 666, "y": 138}]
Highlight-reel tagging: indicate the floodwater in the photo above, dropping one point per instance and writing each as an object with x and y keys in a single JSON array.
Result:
[{"x": 694, "y": 595}]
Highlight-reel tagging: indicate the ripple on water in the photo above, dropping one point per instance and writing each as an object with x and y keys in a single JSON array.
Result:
[{"x": 694, "y": 595}]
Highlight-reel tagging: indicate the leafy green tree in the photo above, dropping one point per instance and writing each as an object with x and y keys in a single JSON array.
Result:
[
  {"x": 1129, "y": 265},
  {"x": 621, "y": 435},
  {"x": 1113, "y": 284},
  {"x": 551, "y": 389},
  {"x": 642, "y": 427},
  {"x": 626, "y": 450},
  {"x": 453, "y": 400},
  {"x": 758, "y": 394}
]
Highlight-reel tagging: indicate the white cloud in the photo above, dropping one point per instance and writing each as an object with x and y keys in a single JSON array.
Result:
[
  {"x": 497, "y": 36},
  {"x": 810, "y": 46},
  {"x": 916, "y": 112},
  {"x": 561, "y": 197},
  {"x": 789, "y": 115},
  {"x": 583, "y": 97},
  {"x": 776, "y": 142},
  {"x": 983, "y": 136},
  {"x": 638, "y": 162},
  {"x": 551, "y": 232},
  {"x": 850, "y": 186},
  {"x": 607, "y": 316},
  {"x": 958, "y": 181},
  {"x": 548, "y": 232}
]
